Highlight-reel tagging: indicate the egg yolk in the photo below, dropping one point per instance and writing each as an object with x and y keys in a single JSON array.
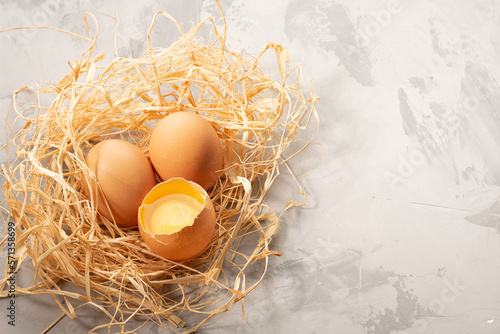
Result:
[{"x": 171, "y": 213}]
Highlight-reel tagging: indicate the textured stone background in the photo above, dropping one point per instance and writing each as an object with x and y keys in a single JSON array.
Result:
[{"x": 401, "y": 231}]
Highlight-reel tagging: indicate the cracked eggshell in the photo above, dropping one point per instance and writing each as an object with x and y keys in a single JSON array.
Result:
[{"x": 190, "y": 240}]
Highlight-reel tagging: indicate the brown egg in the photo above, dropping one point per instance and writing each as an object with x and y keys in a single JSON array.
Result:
[
  {"x": 184, "y": 144},
  {"x": 177, "y": 219},
  {"x": 125, "y": 176}
]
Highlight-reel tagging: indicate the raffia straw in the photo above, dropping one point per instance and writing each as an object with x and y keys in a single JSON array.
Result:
[{"x": 57, "y": 227}]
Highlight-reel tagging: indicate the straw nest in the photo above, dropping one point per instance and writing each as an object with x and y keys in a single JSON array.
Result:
[{"x": 257, "y": 118}]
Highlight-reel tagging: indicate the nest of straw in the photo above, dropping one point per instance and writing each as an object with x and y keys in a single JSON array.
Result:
[{"x": 57, "y": 227}]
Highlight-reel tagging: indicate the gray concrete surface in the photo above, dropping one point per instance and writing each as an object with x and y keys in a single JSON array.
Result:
[{"x": 401, "y": 232}]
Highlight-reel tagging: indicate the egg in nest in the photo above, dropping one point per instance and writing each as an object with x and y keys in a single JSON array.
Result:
[
  {"x": 177, "y": 219},
  {"x": 184, "y": 144},
  {"x": 123, "y": 176}
]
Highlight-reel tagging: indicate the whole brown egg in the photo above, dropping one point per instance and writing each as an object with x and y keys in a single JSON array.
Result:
[
  {"x": 125, "y": 176},
  {"x": 184, "y": 144}
]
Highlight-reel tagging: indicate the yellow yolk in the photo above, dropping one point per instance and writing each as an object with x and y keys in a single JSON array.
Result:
[{"x": 171, "y": 213}]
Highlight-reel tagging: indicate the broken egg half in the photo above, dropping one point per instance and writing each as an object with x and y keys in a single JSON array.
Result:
[{"x": 177, "y": 219}]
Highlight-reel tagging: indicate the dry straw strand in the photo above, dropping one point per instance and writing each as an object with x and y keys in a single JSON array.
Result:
[{"x": 58, "y": 228}]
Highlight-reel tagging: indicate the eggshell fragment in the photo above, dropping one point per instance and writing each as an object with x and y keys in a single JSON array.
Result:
[
  {"x": 190, "y": 240},
  {"x": 125, "y": 176},
  {"x": 184, "y": 144}
]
